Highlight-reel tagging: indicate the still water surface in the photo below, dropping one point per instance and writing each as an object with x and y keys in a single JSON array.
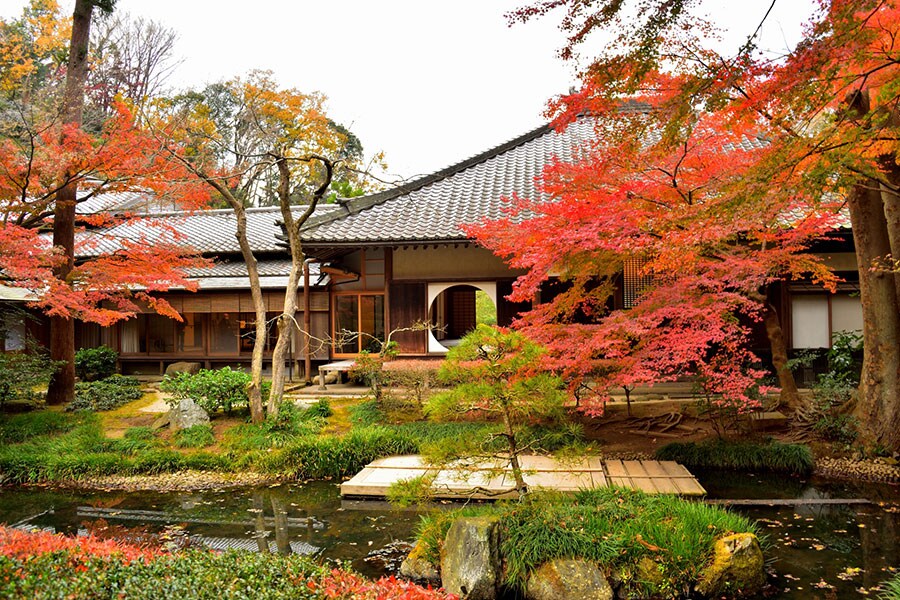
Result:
[{"x": 817, "y": 551}]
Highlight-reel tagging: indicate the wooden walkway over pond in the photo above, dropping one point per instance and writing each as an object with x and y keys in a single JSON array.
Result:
[{"x": 493, "y": 479}]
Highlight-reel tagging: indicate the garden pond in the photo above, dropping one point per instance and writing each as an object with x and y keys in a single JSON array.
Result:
[{"x": 816, "y": 550}]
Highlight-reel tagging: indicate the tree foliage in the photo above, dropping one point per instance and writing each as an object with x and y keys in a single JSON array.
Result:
[
  {"x": 496, "y": 373},
  {"x": 737, "y": 163}
]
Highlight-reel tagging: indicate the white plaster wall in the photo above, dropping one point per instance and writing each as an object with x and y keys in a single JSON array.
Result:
[
  {"x": 448, "y": 262},
  {"x": 809, "y": 322},
  {"x": 435, "y": 289}
]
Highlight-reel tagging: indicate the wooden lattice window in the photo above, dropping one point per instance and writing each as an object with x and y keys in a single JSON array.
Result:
[{"x": 634, "y": 281}]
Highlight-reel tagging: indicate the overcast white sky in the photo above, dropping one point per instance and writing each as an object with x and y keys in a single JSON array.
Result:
[{"x": 429, "y": 83}]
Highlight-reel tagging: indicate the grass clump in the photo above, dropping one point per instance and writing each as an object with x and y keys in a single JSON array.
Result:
[
  {"x": 411, "y": 492},
  {"x": 366, "y": 414},
  {"x": 198, "y": 436},
  {"x": 325, "y": 457},
  {"x": 612, "y": 526},
  {"x": 85, "y": 452},
  {"x": 891, "y": 589},
  {"x": 771, "y": 456},
  {"x": 15, "y": 429},
  {"x": 289, "y": 425}
]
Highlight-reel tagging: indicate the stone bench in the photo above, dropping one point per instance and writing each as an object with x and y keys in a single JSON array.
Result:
[{"x": 338, "y": 367}]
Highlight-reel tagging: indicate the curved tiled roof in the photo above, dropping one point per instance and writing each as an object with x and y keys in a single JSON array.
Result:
[
  {"x": 209, "y": 232},
  {"x": 433, "y": 207}
]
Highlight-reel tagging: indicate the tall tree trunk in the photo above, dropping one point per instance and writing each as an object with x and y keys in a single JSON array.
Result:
[
  {"x": 62, "y": 328},
  {"x": 878, "y": 404},
  {"x": 521, "y": 487},
  {"x": 254, "y": 390},
  {"x": 286, "y": 321},
  {"x": 790, "y": 395}
]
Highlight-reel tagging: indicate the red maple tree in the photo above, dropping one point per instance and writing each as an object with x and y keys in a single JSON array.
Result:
[
  {"x": 827, "y": 114},
  {"x": 45, "y": 156}
]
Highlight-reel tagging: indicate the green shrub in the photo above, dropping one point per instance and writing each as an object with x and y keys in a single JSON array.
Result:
[
  {"x": 18, "y": 428},
  {"x": 21, "y": 373},
  {"x": 92, "y": 364},
  {"x": 612, "y": 526},
  {"x": 106, "y": 394},
  {"x": 198, "y": 436},
  {"x": 771, "y": 456},
  {"x": 212, "y": 389},
  {"x": 320, "y": 408}
]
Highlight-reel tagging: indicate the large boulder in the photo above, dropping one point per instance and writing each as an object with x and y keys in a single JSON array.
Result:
[
  {"x": 737, "y": 566},
  {"x": 418, "y": 568},
  {"x": 568, "y": 579},
  {"x": 187, "y": 414},
  {"x": 470, "y": 559},
  {"x": 191, "y": 368}
]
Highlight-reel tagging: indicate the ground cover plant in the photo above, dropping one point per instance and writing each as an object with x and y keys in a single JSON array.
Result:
[
  {"x": 105, "y": 394},
  {"x": 18, "y": 428},
  {"x": 43, "y": 565},
  {"x": 615, "y": 527},
  {"x": 84, "y": 451},
  {"x": 741, "y": 455}
]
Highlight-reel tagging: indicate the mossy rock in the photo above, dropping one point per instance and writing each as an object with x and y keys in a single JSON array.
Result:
[
  {"x": 568, "y": 579},
  {"x": 470, "y": 558},
  {"x": 737, "y": 567},
  {"x": 418, "y": 568}
]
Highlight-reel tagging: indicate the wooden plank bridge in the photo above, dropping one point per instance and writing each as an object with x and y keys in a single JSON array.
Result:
[{"x": 493, "y": 479}]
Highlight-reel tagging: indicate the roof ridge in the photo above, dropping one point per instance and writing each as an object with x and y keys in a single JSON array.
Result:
[
  {"x": 221, "y": 211},
  {"x": 357, "y": 205}
]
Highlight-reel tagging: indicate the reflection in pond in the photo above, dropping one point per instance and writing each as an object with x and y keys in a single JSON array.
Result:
[
  {"x": 300, "y": 519},
  {"x": 822, "y": 551},
  {"x": 817, "y": 551}
]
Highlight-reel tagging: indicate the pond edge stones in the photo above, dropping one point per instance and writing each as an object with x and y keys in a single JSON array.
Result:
[
  {"x": 470, "y": 558},
  {"x": 471, "y": 567}
]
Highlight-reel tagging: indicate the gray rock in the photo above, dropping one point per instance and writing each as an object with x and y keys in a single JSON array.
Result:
[
  {"x": 470, "y": 560},
  {"x": 417, "y": 568},
  {"x": 737, "y": 565},
  {"x": 568, "y": 579},
  {"x": 183, "y": 367},
  {"x": 187, "y": 414}
]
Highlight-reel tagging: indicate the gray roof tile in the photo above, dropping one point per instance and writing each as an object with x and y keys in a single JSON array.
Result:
[
  {"x": 209, "y": 232},
  {"x": 433, "y": 207}
]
